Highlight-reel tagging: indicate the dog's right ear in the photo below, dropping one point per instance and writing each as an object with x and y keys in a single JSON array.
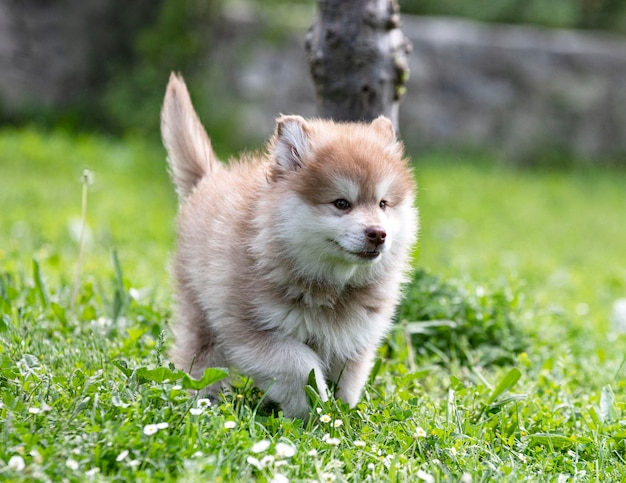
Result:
[{"x": 292, "y": 142}]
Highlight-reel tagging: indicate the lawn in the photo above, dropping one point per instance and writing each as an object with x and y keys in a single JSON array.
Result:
[{"x": 509, "y": 367}]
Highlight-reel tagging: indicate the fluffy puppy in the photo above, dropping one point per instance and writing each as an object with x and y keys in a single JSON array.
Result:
[{"x": 290, "y": 261}]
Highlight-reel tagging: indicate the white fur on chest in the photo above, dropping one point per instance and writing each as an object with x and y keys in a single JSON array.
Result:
[{"x": 317, "y": 326}]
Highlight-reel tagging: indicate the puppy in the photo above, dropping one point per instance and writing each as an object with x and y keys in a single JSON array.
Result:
[{"x": 290, "y": 261}]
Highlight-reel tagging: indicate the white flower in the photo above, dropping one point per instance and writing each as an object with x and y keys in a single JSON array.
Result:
[
  {"x": 337, "y": 423},
  {"x": 331, "y": 441},
  {"x": 16, "y": 463},
  {"x": 267, "y": 460},
  {"x": 71, "y": 464},
  {"x": 122, "y": 455},
  {"x": 162, "y": 425},
  {"x": 328, "y": 477},
  {"x": 427, "y": 477},
  {"x": 278, "y": 478},
  {"x": 260, "y": 446},
  {"x": 34, "y": 410},
  {"x": 285, "y": 450},
  {"x": 325, "y": 418},
  {"x": 371, "y": 466},
  {"x": 359, "y": 444},
  {"x": 37, "y": 458},
  {"x": 196, "y": 411},
  {"x": 254, "y": 462},
  {"x": 133, "y": 463},
  {"x": 312, "y": 452},
  {"x": 150, "y": 429},
  {"x": 466, "y": 477},
  {"x": 387, "y": 460},
  {"x": 230, "y": 424},
  {"x": 204, "y": 402},
  {"x": 420, "y": 433},
  {"x": 92, "y": 472}
]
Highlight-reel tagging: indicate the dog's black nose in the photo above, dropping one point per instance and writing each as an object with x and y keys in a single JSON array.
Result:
[{"x": 375, "y": 235}]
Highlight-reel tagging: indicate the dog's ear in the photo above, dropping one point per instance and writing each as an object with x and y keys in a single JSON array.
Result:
[
  {"x": 384, "y": 126},
  {"x": 292, "y": 142}
]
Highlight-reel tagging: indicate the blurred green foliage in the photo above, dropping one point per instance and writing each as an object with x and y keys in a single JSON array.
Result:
[
  {"x": 175, "y": 41},
  {"x": 585, "y": 14},
  {"x": 132, "y": 51}
]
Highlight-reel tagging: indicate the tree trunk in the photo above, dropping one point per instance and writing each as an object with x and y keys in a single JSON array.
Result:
[{"x": 358, "y": 59}]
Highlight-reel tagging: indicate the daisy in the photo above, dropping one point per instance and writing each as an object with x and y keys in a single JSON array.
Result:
[
  {"x": 150, "y": 429},
  {"x": 285, "y": 450},
  {"x": 278, "y": 478},
  {"x": 337, "y": 423},
  {"x": 92, "y": 472},
  {"x": 196, "y": 411},
  {"x": 122, "y": 455},
  {"x": 325, "y": 418},
  {"x": 419, "y": 432},
  {"x": 230, "y": 424},
  {"x": 204, "y": 402},
  {"x": 254, "y": 462},
  {"x": 427, "y": 477},
  {"x": 466, "y": 477},
  {"x": 71, "y": 464},
  {"x": 267, "y": 460},
  {"x": 331, "y": 441},
  {"x": 260, "y": 446},
  {"x": 16, "y": 463}
]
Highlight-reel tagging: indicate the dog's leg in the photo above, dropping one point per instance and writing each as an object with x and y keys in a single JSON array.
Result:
[
  {"x": 351, "y": 376},
  {"x": 196, "y": 346},
  {"x": 281, "y": 367}
]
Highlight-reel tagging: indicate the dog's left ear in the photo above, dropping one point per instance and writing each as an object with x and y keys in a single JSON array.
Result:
[
  {"x": 384, "y": 126},
  {"x": 292, "y": 141}
]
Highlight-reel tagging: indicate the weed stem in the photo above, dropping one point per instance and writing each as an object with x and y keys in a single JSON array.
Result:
[{"x": 85, "y": 179}]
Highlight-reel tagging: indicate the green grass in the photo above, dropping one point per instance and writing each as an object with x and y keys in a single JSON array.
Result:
[{"x": 520, "y": 377}]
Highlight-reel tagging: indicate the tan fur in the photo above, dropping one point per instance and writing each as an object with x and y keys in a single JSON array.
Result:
[{"x": 273, "y": 278}]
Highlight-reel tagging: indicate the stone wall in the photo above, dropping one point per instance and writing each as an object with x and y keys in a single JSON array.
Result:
[
  {"x": 53, "y": 53},
  {"x": 516, "y": 90}
]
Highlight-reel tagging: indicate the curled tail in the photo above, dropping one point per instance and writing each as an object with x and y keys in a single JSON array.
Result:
[{"x": 189, "y": 152}]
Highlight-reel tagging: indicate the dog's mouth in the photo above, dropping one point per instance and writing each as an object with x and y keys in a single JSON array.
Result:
[
  {"x": 370, "y": 255},
  {"x": 363, "y": 255}
]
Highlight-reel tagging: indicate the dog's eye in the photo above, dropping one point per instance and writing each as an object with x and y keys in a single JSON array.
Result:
[
  {"x": 341, "y": 204},
  {"x": 382, "y": 204}
]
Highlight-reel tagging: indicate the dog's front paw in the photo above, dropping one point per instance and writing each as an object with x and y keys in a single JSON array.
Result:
[{"x": 292, "y": 398}]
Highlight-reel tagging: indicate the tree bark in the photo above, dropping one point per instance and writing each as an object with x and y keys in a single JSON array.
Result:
[{"x": 358, "y": 59}]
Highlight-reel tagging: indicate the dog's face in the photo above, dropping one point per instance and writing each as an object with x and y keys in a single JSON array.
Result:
[{"x": 347, "y": 196}]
